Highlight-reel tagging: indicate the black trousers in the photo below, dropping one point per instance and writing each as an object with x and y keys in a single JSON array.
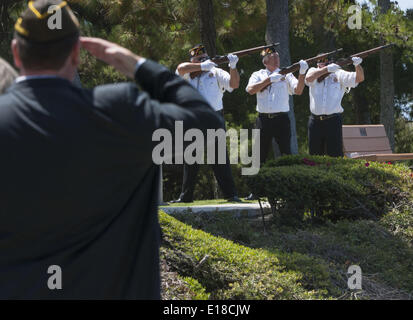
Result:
[
  {"x": 277, "y": 126},
  {"x": 222, "y": 173},
  {"x": 325, "y": 135}
]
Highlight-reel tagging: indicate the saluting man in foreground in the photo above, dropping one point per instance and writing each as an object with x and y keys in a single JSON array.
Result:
[
  {"x": 211, "y": 82},
  {"x": 273, "y": 91},
  {"x": 79, "y": 188},
  {"x": 328, "y": 83}
]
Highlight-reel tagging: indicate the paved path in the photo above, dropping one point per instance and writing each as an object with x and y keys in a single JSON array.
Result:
[{"x": 238, "y": 210}]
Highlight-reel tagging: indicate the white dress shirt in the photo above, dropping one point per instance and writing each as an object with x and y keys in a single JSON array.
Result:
[
  {"x": 212, "y": 85},
  {"x": 326, "y": 96},
  {"x": 275, "y": 98}
]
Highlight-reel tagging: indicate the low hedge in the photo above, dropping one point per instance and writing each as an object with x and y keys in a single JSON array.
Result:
[
  {"x": 226, "y": 270},
  {"x": 332, "y": 187}
]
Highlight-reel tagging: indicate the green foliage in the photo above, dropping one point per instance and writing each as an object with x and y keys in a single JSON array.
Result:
[
  {"x": 399, "y": 221},
  {"x": 298, "y": 263},
  {"x": 322, "y": 253},
  {"x": 228, "y": 270},
  {"x": 403, "y": 137},
  {"x": 331, "y": 187},
  {"x": 165, "y": 30},
  {"x": 364, "y": 243},
  {"x": 197, "y": 288}
]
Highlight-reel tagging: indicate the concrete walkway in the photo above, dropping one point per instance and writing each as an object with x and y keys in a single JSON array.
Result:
[{"x": 238, "y": 210}]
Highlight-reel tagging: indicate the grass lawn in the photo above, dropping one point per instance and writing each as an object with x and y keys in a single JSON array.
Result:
[{"x": 217, "y": 256}]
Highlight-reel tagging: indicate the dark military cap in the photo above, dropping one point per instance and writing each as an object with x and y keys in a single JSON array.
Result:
[
  {"x": 197, "y": 50},
  {"x": 47, "y": 21},
  {"x": 268, "y": 51}
]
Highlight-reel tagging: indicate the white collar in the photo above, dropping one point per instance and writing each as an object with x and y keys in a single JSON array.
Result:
[{"x": 276, "y": 70}]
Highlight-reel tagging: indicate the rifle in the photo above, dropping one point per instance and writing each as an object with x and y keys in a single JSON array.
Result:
[
  {"x": 224, "y": 59},
  {"x": 296, "y": 66},
  {"x": 348, "y": 61}
]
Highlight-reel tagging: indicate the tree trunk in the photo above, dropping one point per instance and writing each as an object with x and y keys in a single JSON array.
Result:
[
  {"x": 208, "y": 38},
  {"x": 387, "y": 85},
  {"x": 278, "y": 30},
  {"x": 207, "y": 26},
  {"x": 361, "y": 107}
]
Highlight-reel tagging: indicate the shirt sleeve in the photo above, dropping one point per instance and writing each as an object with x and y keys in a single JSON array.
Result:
[
  {"x": 292, "y": 83},
  {"x": 164, "y": 99},
  {"x": 186, "y": 76},
  {"x": 346, "y": 79},
  {"x": 253, "y": 80},
  {"x": 223, "y": 79},
  {"x": 309, "y": 84}
]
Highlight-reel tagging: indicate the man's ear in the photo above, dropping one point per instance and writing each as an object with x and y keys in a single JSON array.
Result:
[{"x": 16, "y": 54}]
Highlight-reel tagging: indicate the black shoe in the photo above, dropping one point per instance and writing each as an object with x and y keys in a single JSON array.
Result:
[
  {"x": 234, "y": 199},
  {"x": 251, "y": 197},
  {"x": 180, "y": 201}
]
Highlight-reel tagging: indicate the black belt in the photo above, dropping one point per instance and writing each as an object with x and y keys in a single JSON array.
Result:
[
  {"x": 272, "y": 115},
  {"x": 324, "y": 116},
  {"x": 221, "y": 112}
]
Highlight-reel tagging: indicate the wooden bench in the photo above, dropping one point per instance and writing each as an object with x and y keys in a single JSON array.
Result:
[{"x": 369, "y": 142}]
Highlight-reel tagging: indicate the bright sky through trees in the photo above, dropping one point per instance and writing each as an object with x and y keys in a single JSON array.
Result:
[{"x": 403, "y": 4}]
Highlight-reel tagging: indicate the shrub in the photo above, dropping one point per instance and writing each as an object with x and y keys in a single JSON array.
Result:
[
  {"x": 331, "y": 187},
  {"x": 230, "y": 271}
]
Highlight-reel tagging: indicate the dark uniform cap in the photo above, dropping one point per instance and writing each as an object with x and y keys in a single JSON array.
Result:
[
  {"x": 268, "y": 51},
  {"x": 39, "y": 22},
  {"x": 197, "y": 50}
]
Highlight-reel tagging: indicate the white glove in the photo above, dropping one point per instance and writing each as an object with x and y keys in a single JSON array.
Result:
[
  {"x": 303, "y": 66},
  {"x": 275, "y": 77},
  {"x": 233, "y": 60},
  {"x": 333, "y": 67},
  {"x": 207, "y": 65},
  {"x": 357, "y": 61}
]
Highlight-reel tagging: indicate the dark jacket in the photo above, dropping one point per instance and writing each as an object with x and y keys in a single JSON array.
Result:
[{"x": 78, "y": 187}]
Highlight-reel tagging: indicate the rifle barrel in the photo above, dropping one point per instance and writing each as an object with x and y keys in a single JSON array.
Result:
[
  {"x": 294, "y": 67},
  {"x": 348, "y": 61},
  {"x": 242, "y": 53},
  {"x": 362, "y": 54},
  {"x": 253, "y": 50}
]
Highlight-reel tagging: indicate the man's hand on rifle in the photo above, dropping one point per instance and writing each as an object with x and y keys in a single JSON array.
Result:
[
  {"x": 359, "y": 70},
  {"x": 234, "y": 75},
  {"x": 303, "y": 66},
  {"x": 233, "y": 60},
  {"x": 301, "y": 78},
  {"x": 333, "y": 67},
  {"x": 357, "y": 61}
]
